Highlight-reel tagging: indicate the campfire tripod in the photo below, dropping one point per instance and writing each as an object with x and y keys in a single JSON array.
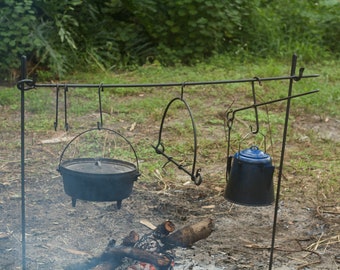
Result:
[{"x": 26, "y": 84}]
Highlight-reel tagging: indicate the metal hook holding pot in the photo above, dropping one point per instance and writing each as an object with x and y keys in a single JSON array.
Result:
[
  {"x": 255, "y": 107},
  {"x": 100, "y": 89},
  {"x": 298, "y": 78},
  {"x": 182, "y": 90},
  {"x": 293, "y": 68},
  {"x": 56, "y": 108},
  {"x": 65, "y": 106}
]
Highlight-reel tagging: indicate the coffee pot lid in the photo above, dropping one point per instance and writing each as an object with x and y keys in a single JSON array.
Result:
[{"x": 253, "y": 155}]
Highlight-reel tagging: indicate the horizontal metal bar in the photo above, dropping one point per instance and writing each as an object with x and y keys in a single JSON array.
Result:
[
  {"x": 73, "y": 85},
  {"x": 274, "y": 101}
]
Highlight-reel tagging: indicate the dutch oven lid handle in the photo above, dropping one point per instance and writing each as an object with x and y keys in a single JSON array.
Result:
[{"x": 101, "y": 128}]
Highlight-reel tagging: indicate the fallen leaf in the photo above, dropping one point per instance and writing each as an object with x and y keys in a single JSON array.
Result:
[{"x": 133, "y": 126}]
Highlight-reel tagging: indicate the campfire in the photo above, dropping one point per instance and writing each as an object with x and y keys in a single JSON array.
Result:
[{"x": 152, "y": 251}]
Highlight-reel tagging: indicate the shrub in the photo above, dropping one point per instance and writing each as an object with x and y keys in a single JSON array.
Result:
[
  {"x": 187, "y": 31},
  {"x": 115, "y": 34},
  {"x": 308, "y": 28},
  {"x": 16, "y": 37}
]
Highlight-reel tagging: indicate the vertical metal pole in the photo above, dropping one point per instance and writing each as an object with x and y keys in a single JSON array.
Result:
[
  {"x": 285, "y": 130},
  {"x": 23, "y": 213}
]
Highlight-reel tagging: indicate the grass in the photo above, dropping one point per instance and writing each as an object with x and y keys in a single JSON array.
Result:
[
  {"x": 325, "y": 102},
  {"x": 136, "y": 111}
]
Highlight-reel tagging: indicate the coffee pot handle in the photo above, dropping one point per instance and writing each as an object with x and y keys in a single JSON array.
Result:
[{"x": 229, "y": 160}]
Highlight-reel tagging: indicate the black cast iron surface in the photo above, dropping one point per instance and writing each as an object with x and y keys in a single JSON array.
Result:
[{"x": 98, "y": 180}]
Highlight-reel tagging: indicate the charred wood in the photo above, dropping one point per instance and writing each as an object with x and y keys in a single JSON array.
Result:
[{"x": 188, "y": 235}]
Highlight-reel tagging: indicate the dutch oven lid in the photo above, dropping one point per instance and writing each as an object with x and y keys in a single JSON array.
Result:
[
  {"x": 98, "y": 166},
  {"x": 253, "y": 155}
]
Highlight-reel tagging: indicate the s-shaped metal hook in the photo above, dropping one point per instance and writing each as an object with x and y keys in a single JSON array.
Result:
[
  {"x": 182, "y": 90},
  {"x": 65, "y": 106},
  {"x": 56, "y": 107},
  {"x": 255, "y": 107},
  {"x": 100, "y": 89}
]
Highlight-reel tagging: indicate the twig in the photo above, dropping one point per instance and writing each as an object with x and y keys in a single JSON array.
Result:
[
  {"x": 327, "y": 241},
  {"x": 302, "y": 249},
  {"x": 311, "y": 263},
  {"x": 319, "y": 207},
  {"x": 148, "y": 224}
]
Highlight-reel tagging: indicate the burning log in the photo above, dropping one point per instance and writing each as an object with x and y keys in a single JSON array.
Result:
[
  {"x": 164, "y": 229},
  {"x": 131, "y": 239},
  {"x": 157, "y": 259}
]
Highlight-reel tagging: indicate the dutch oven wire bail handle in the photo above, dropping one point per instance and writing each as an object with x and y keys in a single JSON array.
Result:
[
  {"x": 99, "y": 129},
  {"x": 195, "y": 175}
]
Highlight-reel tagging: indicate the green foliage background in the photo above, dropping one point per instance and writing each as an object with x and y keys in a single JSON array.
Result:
[{"x": 60, "y": 36}]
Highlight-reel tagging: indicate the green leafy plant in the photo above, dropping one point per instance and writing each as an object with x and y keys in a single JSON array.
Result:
[
  {"x": 16, "y": 21},
  {"x": 188, "y": 31},
  {"x": 290, "y": 27}
]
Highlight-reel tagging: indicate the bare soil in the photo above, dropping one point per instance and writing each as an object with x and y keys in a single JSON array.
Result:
[{"x": 59, "y": 236}]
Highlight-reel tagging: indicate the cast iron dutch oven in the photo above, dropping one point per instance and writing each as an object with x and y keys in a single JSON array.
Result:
[{"x": 98, "y": 179}]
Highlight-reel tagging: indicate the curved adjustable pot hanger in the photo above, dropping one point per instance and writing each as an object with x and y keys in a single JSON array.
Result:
[{"x": 160, "y": 149}]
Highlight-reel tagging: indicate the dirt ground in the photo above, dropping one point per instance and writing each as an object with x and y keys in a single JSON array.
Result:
[{"x": 59, "y": 236}]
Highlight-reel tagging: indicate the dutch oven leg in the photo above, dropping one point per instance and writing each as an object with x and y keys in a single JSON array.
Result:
[
  {"x": 74, "y": 200},
  {"x": 119, "y": 204}
]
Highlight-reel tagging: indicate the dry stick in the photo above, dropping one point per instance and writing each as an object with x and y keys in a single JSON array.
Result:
[
  {"x": 292, "y": 251},
  {"x": 327, "y": 241},
  {"x": 320, "y": 211},
  {"x": 158, "y": 175},
  {"x": 310, "y": 251},
  {"x": 147, "y": 223},
  {"x": 311, "y": 263}
]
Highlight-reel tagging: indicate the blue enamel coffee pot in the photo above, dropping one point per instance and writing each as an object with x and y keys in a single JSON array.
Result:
[{"x": 250, "y": 178}]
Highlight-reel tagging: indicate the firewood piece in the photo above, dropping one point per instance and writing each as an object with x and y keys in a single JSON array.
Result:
[
  {"x": 131, "y": 239},
  {"x": 159, "y": 260},
  {"x": 188, "y": 235},
  {"x": 147, "y": 223},
  {"x": 163, "y": 230}
]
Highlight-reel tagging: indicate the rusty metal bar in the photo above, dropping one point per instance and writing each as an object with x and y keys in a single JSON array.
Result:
[{"x": 31, "y": 84}]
